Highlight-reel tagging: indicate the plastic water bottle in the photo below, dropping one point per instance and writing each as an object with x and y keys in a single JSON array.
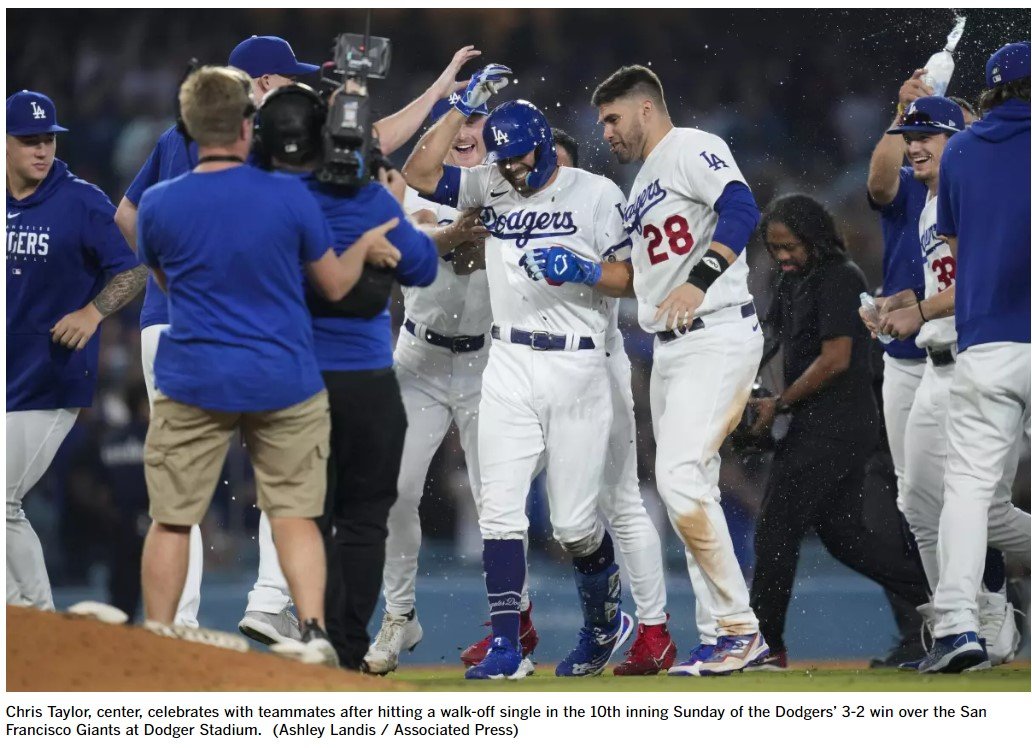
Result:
[
  {"x": 868, "y": 305},
  {"x": 940, "y": 65}
]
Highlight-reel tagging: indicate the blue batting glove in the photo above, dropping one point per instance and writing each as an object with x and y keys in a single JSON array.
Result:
[
  {"x": 563, "y": 265},
  {"x": 533, "y": 263},
  {"x": 481, "y": 87}
]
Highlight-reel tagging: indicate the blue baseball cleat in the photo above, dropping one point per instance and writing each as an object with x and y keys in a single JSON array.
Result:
[
  {"x": 595, "y": 647},
  {"x": 503, "y": 661},
  {"x": 956, "y": 653},
  {"x": 731, "y": 654}
]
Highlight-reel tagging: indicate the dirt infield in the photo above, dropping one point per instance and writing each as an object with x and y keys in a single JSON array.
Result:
[{"x": 57, "y": 652}]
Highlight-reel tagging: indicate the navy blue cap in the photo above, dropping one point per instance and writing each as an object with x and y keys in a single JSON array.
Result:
[
  {"x": 931, "y": 114},
  {"x": 1008, "y": 63},
  {"x": 31, "y": 113},
  {"x": 268, "y": 55},
  {"x": 443, "y": 106}
]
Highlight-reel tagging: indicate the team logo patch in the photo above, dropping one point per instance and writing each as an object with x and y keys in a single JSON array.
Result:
[
  {"x": 713, "y": 161},
  {"x": 37, "y": 111}
]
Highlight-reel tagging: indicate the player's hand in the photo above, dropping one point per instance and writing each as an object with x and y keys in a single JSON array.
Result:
[
  {"x": 75, "y": 329},
  {"x": 563, "y": 265},
  {"x": 533, "y": 263},
  {"x": 901, "y": 323},
  {"x": 446, "y": 83},
  {"x": 392, "y": 180},
  {"x": 678, "y": 308},
  {"x": 484, "y": 83},
  {"x": 378, "y": 249},
  {"x": 765, "y": 409},
  {"x": 913, "y": 88},
  {"x": 468, "y": 228},
  {"x": 899, "y": 300}
]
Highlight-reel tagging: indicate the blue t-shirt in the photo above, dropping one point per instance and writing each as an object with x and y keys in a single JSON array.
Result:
[
  {"x": 983, "y": 200},
  {"x": 62, "y": 248},
  {"x": 231, "y": 244},
  {"x": 903, "y": 260},
  {"x": 170, "y": 158},
  {"x": 353, "y": 343}
]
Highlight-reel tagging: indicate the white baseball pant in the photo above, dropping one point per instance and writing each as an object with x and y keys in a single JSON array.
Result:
[
  {"x": 190, "y": 601},
  {"x": 900, "y": 379},
  {"x": 700, "y": 385},
  {"x": 551, "y": 403},
  {"x": 988, "y": 413},
  {"x": 437, "y": 387},
  {"x": 33, "y": 438}
]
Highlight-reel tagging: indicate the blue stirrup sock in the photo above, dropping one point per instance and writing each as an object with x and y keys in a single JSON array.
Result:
[{"x": 505, "y": 567}]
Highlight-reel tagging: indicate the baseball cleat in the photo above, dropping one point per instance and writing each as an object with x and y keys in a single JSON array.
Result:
[
  {"x": 314, "y": 648},
  {"x": 997, "y": 626},
  {"x": 396, "y": 633},
  {"x": 731, "y": 654},
  {"x": 475, "y": 653},
  {"x": 99, "y": 612},
  {"x": 955, "y": 653},
  {"x": 503, "y": 661},
  {"x": 904, "y": 652},
  {"x": 774, "y": 662},
  {"x": 595, "y": 647},
  {"x": 270, "y": 628},
  {"x": 653, "y": 650}
]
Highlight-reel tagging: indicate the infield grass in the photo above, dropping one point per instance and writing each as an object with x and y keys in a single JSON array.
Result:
[{"x": 828, "y": 676}]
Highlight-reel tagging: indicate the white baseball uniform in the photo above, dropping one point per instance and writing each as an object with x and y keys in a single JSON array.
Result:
[
  {"x": 554, "y": 403},
  {"x": 701, "y": 380}
]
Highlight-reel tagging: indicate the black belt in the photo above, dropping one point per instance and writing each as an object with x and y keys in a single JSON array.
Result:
[
  {"x": 942, "y": 357},
  {"x": 458, "y": 344},
  {"x": 540, "y": 340},
  {"x": 666, "y": 336}
]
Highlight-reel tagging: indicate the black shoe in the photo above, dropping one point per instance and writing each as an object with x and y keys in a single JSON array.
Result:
[{"x": 904, "y": 651}]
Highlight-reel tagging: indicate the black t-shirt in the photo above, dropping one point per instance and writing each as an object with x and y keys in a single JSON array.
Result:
[{"x": 807, "y": 310}]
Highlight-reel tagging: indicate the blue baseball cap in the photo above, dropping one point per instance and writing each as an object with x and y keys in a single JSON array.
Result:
[
  {"x": 268, "y": 55},
  {"x": 931, "y": 114},
  {"x": 1008, "y": 63},
  {"x": 31, "y": 113},
  {"x": 443, "y": 106}
]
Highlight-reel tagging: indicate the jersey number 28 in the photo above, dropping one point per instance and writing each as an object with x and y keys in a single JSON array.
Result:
[{"x": 679, "y": 239}]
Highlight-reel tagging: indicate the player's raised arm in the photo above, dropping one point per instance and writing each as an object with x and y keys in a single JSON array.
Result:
[
  {"x": 425, "y": 167},
  {"x": 395, "y": 129},
  {"x": 883, "y": 175}
]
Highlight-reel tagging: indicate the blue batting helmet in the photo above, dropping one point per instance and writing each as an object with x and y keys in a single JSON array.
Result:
[{"x": 516, "y": 128}]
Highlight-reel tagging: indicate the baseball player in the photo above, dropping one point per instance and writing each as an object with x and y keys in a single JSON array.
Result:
[
  {"x": 928, "y": 123},
  {"x": 67, "y": 269},
  {"x": 690, "y": 215},
  {"x": 983, "y": 195},
  {"x": 545, "y": 387}
]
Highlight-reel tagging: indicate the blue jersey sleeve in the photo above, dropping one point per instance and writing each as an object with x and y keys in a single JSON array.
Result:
[
  {"x": 418, "y": 264},
  {"x": 149, "y": 175},
  {"x": 101, "y": 236},
  {"x": 447, "y": 191},
  {"x": 945, "y": 209},
  {"x": 145, "y": 248},
  {"x": 898, "y": 205},
  {"x": 737, "y": 217}
]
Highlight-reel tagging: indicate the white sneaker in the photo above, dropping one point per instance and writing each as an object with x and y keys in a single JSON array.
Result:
[
  {"x": 997, "y": 626},
  {"x": 313, "y": 649},
  {"x": 99, "y": 612},
  {"x": 270, "y": 628},
  {"x": 396, "y": 633}
]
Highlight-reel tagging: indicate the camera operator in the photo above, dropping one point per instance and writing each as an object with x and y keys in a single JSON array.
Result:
[
  {"x": 225, "y": 242},
  {"x": 818, "y": 469},
  {"x": 354, "y": 349}
]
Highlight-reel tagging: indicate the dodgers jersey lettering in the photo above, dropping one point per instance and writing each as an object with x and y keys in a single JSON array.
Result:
[
  {"x": 670, "y": 219},
  {"x": 579, "y": 211},
  {"x": 452, "y": 305},
  {"x": 940, "y": 270}
]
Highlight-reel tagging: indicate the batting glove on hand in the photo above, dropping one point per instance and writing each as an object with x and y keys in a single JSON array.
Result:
[
  {"x": 563, "y": 265},
  {"x": 482, "y": 85},
  {"x": 533, "y": 263}
]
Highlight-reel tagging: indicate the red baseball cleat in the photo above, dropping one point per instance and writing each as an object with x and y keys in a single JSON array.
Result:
[
  {"x": 653, "y": 650},
  {"x": 475, "y": 653}
]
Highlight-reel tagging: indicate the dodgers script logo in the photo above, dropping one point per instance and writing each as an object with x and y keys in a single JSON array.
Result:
[
  {"x": 525, "y": 225},
  {"x": 648, "y": 198}
]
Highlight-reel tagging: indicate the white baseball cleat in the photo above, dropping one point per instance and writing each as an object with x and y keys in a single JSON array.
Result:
[
  {"x": 99, "y": 612},
  {"x": 396, "y": 633},
  {"x": 997, "y": 626}
]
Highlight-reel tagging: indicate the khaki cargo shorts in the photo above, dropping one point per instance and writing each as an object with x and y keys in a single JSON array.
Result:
[{"x": 186, "y": 447}]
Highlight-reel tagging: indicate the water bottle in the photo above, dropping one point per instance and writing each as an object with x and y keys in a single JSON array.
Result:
[
  {"x": 868, "y": 305},
  {"x": 940, "y": 65}
]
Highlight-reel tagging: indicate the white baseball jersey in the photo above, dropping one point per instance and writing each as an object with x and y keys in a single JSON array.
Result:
[
  {"x": 453, "y": 304},
  {"x": 671, "y": 220},
  {"x": 940, "y": 271},
  {"x": 579, "y": 211}
]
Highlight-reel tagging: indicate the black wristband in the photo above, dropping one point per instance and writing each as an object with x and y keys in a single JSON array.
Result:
[{"x": 707, "y": 270}]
